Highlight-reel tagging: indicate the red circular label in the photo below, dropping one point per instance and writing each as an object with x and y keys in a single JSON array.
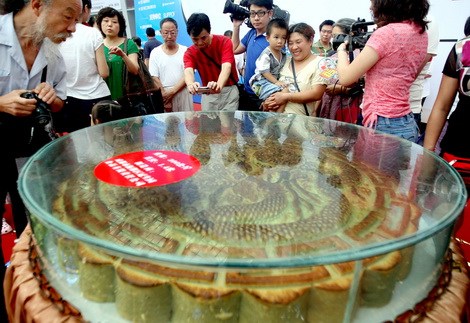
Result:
[{"x": 147, "y": 168}]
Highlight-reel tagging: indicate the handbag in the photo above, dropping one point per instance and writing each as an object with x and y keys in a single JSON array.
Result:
[
  {"x": 142, "y": 96},
  {"x": 345, "y": 107}
]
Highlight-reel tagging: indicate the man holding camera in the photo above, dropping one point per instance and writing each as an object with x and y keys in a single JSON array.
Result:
[
  {"x": 31, "y": 62},
  {"x": 212, "y": 56},
  {"x": 254, "y": 42}
]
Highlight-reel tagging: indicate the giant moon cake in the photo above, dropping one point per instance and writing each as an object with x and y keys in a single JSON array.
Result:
[{"x": 251, "y": 203}]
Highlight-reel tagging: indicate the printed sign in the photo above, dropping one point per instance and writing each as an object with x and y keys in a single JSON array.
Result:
[
  {"x": 149, "y": 14},
  {"x": 100, "y": 4},
  {"x": 147, "y": 168}
]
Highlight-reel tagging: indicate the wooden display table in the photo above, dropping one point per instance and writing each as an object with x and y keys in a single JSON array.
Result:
[{"x": 28, "y": 302}]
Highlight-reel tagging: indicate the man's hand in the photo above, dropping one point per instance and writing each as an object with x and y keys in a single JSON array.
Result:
[
  {"x": 46, "y": 93},
  {"x": 12, "y": 103},
  {"x": 237, "y": 23},
  {"x": 168, "y": 95},
  {"x": 215, "y": 87}
]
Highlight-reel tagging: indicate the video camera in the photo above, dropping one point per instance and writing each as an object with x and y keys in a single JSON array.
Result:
[
  {"x": 241, "y": 12},
  {"x": 358, "y": 36}
]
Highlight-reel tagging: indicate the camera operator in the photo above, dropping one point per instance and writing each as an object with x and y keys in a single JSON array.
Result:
[
  {"x": 29, "y": 33},
  {"x": 390, "y": 60},
  {"x": 253, "y": 43},
  {"x": 340, "y": 102}
]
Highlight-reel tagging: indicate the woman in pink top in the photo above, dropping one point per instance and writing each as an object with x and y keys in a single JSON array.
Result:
[{"x": 391, "y": 60}]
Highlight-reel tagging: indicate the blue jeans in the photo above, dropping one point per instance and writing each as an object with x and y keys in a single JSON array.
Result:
[
  {"x": 404, "y": 127},
  {"x": 263, "y": 88}
]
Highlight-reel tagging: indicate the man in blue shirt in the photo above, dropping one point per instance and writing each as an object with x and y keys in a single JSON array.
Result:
[
  {"x": 150, "y": 44},
  {"x": 254, "y": 42}
]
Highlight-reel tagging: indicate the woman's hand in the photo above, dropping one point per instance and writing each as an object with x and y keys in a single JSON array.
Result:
[
  {"x": 116, "y": 50},
  {"x": 276, "y": 100},
  {"x": 343, "y": 46},
  {"x": 281, "y": 84}
]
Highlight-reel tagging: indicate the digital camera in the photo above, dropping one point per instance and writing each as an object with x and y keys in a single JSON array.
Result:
[{"x": 42, "y": 114}]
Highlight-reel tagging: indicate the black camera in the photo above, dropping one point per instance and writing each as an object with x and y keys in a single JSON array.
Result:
[
  {"x": 241, "y": 12},
  {"x": 358, "y": 36},
  {"x": 42, "y": 114}
]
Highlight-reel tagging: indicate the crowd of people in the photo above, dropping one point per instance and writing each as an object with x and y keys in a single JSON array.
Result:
[{"x": 51, "y": 51}]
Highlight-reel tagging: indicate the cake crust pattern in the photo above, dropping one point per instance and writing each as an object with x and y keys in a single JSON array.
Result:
[{"x": 246, "y": 204}]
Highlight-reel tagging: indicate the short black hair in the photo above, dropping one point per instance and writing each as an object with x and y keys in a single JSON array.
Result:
[
  {"x": 91, "y": 21},
  {"x": 86, "y": 3},
  {"x": 137, "y": 41},
  {"x": 276, "y": 23},
  {"x": 466, "y": 28},
  {"x": 108, "y": 12},
  {"x": 327, "y": 22},
  {"x": 196, "y": 23},
  {"x": 268, "y": 4},
  {"x": 168, "y": 19},
  {"x": 150, "y": 32}
]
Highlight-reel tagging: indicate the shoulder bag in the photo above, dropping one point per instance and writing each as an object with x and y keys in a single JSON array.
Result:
[
  {"x": 297, "y": 86},
  {"x": 142, "y": 96}
]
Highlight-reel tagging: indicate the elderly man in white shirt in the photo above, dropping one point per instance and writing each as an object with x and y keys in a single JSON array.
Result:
[
  {"x": 30, "y": 62},
  {"x": 167, "y": 69}
]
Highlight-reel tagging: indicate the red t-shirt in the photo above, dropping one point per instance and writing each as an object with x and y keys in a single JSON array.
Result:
[{"x": 221, "y": 51}]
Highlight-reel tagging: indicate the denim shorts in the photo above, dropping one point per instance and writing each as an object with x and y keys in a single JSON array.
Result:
[
  {"x": 404, "y": 127},
  {"x": 263, "y": 88}
]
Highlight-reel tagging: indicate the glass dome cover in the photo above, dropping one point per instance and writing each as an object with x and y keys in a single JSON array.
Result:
[{"x": 241, "y": 189}]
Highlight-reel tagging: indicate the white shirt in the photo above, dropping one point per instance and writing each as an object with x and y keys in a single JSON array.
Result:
[
  {"x": 168, "y": 68},
  {"x": 83, "y": 79},
  {"x": 14, "y": 74},
  {"x": 420, "y": 87}
]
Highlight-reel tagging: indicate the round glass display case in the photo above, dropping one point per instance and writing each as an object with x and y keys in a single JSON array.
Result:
[{"x": 240, "y": 217}]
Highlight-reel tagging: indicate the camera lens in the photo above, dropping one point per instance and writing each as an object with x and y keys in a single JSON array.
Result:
[
  {"x": 338, "y": 40},
  {"x": 28, "y": 95},
  {"x": 41, "y": 114}
]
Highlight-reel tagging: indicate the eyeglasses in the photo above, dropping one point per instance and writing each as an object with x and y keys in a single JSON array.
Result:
[
  {"x": 260, "y": 13},
  {"x": 168, "y": 33}
]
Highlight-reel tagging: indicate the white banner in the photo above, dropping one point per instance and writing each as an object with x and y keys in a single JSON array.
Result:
[{"x": 97, "y": 5}]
